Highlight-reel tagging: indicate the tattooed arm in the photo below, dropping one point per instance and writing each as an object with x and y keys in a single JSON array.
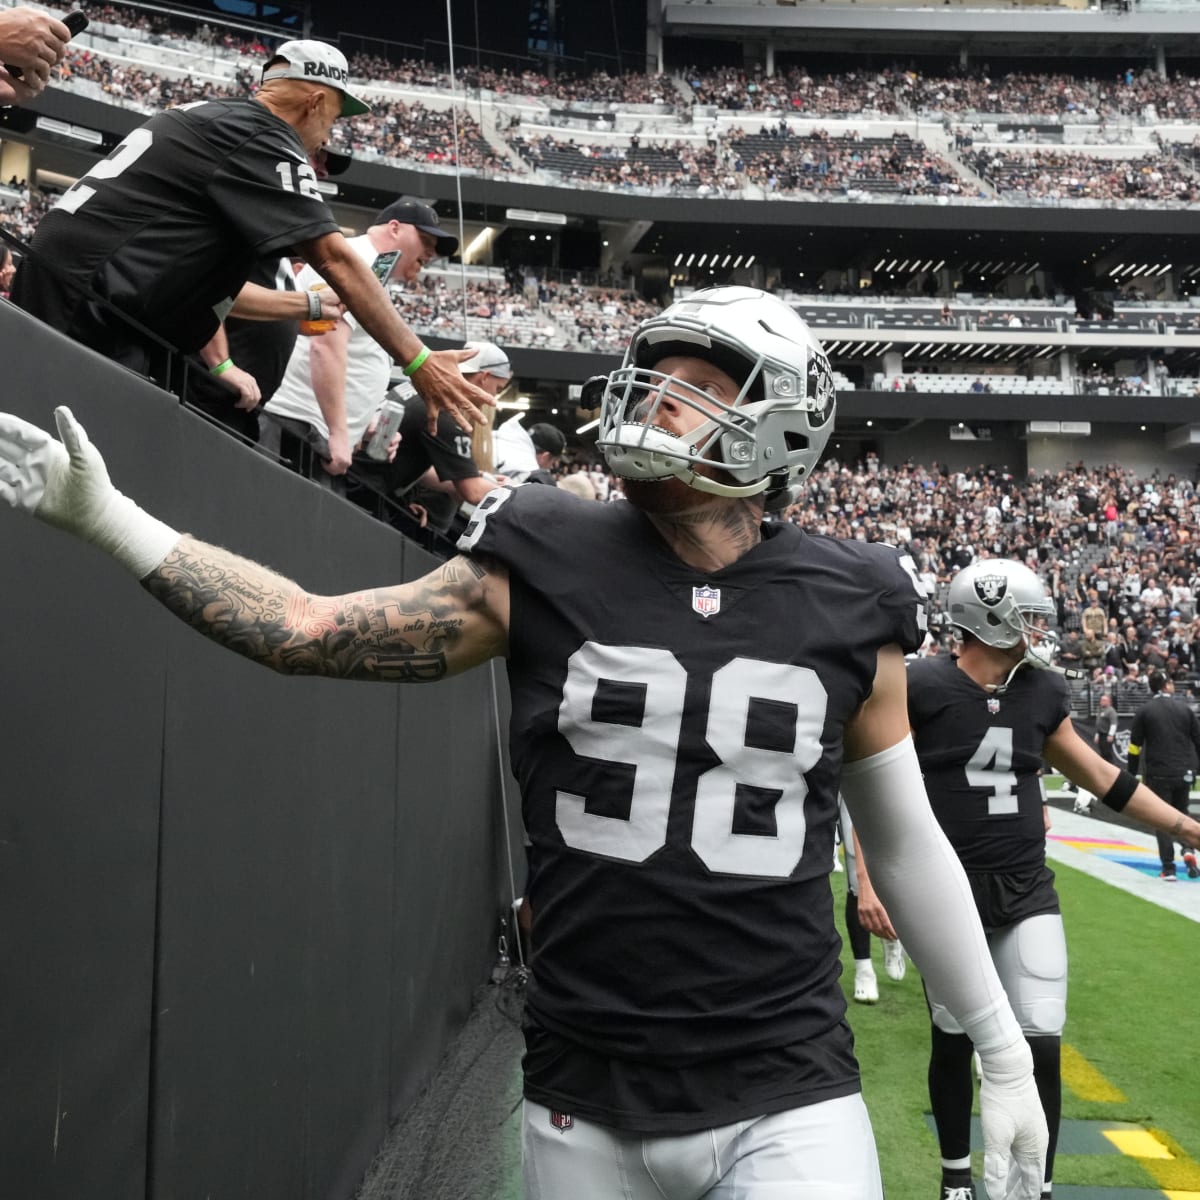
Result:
[{"x": 450, "y": 620}]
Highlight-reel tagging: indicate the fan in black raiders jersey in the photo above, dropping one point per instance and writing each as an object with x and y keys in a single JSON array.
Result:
[
  {"x": 689, "y": 684},
  {"x": 168, "y": 227},
  {"x": 983, "y": 722}
]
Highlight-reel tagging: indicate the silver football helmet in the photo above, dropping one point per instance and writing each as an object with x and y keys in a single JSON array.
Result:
[
  {"x": 997, "y": 600},
  {"x": 773, "y": 433}
]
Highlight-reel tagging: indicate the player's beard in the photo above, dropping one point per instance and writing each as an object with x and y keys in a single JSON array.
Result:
[
  {"x": 671, "y": 496},
  {"x": 664, "y": 497}
]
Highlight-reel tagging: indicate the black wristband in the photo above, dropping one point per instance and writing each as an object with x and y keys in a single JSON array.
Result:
[{"x": 1122, "y": 789}]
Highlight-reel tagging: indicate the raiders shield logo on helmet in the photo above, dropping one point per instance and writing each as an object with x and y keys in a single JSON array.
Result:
[{"x": 991, "y": 589}]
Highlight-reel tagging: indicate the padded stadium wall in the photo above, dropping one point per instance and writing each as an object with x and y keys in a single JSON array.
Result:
[{"x": 243, "y": 914}]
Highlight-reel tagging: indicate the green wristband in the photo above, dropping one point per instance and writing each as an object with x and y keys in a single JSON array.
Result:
[
  {"x": 221, "y": 367},
  {"x": 418, "y": 362}
]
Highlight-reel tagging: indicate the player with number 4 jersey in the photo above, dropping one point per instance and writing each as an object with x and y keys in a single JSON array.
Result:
[
  {"x": 983, "y": 722},
  {"x": 689, "y": 684}
]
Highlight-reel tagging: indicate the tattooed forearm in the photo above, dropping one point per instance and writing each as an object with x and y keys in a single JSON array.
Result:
[{"x": 406, "y": 634}]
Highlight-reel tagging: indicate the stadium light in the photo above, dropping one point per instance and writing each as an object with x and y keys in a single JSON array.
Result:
[
  {"x": 940, "y": 265},
  {"x": 750, "y": 260},
  {"x": 1118, "y": 267},
  {"x": 1164, "y": 270},
  {"x": 702, "y": 258},
  {"x": 588, "y": 426},
  {"x": 879, "y": 264},
  {"x": 678, "y": 258}
]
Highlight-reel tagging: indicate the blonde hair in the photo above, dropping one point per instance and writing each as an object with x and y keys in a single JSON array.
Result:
[{"x": 578, "y": 485}]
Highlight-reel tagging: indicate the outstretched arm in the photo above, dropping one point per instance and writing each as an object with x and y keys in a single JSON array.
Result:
[
  {"x": 923, "y": 886},
  {"x": 446, "y": 622},
  {"x": 1067, "y": 752}
]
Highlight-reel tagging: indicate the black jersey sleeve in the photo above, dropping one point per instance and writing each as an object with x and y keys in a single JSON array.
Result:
[
  {"x": 267, "y": 190},
  {"x": 902, "y": 597},
  {"x": 501, "y": 525}
]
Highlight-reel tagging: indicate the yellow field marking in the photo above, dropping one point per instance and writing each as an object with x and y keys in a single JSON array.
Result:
[
  {"x": 1085, "y": 1081},
  {"x": 1137, "y": 1143},
  {"x": 1178, "y": 1178}
]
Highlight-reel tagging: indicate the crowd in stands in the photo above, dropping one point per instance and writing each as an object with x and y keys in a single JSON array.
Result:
[
  {"x": 600, "y": 87},
  {"x": 541, "y": 313},
  {"x": 414, "y": 132},
  {"x": 774, "y": 160},
  {"x": 794, "y": 90},
  {"x": 1118, "y": 553},
  {"x": 1061, "y": 174},
  {"x": 1055, "y": 95}
]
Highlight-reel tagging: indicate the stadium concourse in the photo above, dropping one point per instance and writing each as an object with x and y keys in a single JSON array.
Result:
[{"x": 460, "y": 1140}]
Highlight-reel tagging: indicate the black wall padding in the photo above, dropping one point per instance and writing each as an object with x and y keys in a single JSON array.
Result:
[{"x": 243, "y": 914}]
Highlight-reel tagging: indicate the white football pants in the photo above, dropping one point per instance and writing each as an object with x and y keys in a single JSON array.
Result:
[{"x": 822, "y": 1151}]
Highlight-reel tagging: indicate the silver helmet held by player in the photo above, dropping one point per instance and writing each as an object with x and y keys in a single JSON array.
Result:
[
  {"x": 767, "y": 440},
  {"x": 999, "y": 600}
]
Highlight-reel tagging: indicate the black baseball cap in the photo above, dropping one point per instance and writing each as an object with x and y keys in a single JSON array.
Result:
[
  {"x": 335, "y": 162},
  {"x": 547, "y": 437},
  {"x": 414, "y": 212}
]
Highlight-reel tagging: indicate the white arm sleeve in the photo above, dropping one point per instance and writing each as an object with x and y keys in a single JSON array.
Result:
[{"x": 923, "y": 886}]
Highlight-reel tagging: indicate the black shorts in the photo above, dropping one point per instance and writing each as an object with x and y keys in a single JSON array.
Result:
[{"x": 1004, "y": 898}]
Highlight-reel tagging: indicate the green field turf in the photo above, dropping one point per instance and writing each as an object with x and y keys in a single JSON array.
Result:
[{"x": 1133, "y": 1013}]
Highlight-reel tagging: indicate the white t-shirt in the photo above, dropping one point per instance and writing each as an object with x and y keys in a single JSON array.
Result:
[
  {"x": 513, "y": 450},
  {"x": 368, "y": 368}
]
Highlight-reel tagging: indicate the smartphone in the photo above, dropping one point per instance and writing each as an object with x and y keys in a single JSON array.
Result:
[
  {"x": 384, "y": 264},
  {"x": 76, "y": 22}
]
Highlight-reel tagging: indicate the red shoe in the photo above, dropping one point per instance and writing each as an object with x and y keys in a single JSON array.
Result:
[{"x": 1189, "y": 861}]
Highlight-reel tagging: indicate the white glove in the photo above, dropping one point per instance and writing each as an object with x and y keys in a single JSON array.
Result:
[
  {"x": 66, "y": 484},
  {"x": 1015, "y": 1138}
]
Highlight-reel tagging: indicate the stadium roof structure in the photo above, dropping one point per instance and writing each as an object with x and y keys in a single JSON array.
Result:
[{"x": 913, "y": 28}]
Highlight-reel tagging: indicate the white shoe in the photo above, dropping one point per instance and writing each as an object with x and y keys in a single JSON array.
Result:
[
  {"x": 893, "y": 960},
  {"x": 866, "y": 988}
]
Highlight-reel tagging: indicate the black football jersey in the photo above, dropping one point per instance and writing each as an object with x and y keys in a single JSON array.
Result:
[
  {"x": 169, "y": 225},
  {"x": 677, "y": 737},
  {"x": 980, "y": 755}
]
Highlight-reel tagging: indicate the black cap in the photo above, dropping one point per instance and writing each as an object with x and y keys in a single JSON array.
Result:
[
  {"x": 414, "y": 212},
  {"x": 547, "y": 437},
  {"x": 333, "y": 162}
]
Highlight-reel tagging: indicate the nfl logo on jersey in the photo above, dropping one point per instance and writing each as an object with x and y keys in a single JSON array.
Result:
[
  {"x": 706, "y": 601},
  {"x": 561, "y": 1121},
  {"x": 993, "y": 704}
]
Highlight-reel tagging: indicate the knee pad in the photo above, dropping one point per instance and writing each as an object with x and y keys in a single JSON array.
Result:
[{"x": 1031, "y": 958}]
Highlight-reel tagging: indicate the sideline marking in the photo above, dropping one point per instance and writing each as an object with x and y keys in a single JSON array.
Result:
[
  {"x": 1137, "y": 1143},
  {"x": 1085, "y": 1081}
]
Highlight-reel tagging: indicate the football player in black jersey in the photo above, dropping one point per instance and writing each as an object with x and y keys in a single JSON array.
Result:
[
  {"x": 688, "y": 686},
  {"x": 982, "y": 723},
  {"x": 167, "y": 228}
]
